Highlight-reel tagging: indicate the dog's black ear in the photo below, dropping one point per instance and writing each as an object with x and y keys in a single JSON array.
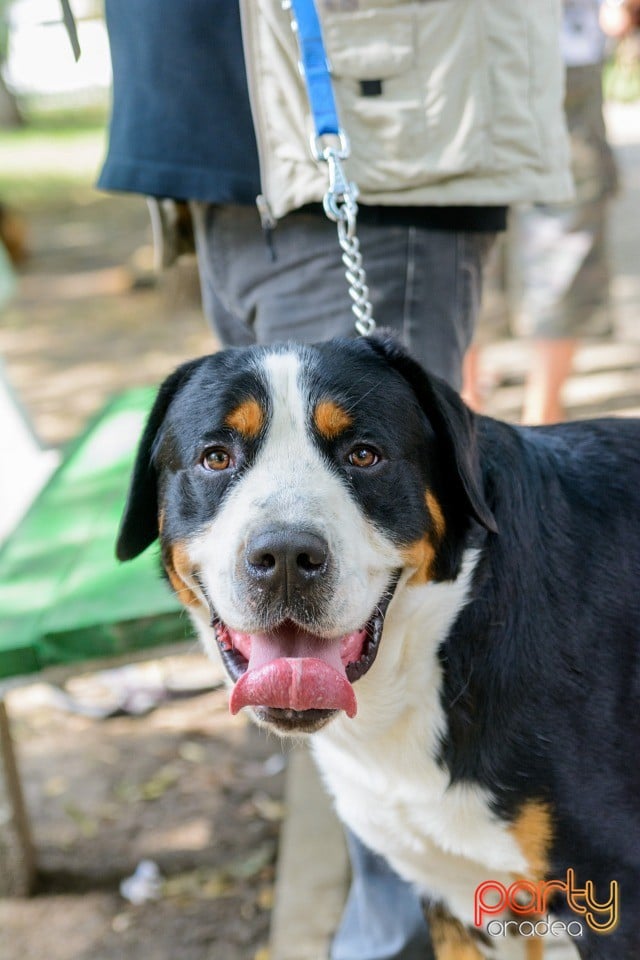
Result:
[
  {"x": 452, "y": 422},
  {"x": 139, "y": 524}
]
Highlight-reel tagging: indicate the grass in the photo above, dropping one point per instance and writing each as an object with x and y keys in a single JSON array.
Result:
[{"x": 53, "y": 160}]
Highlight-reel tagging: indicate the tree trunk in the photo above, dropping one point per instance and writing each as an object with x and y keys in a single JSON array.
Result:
[
  {"x": 10, "y": 115},
  {"x": 17, "y": 857}
]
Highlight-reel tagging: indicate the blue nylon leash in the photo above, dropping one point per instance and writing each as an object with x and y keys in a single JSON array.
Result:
[
  {"x": 330, "y": 145},
  {"x": 315, "y": 67}
]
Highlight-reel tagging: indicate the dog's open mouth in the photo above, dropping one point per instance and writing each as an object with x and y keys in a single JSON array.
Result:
[{"x": 293, "y": 670}]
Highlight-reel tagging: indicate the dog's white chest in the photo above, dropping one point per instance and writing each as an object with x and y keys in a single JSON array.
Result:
[
  {"x": 443, "y": 839},
  {"x": 382, "y": 771}
]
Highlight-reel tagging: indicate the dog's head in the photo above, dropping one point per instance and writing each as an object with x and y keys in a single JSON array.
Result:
[{"x": 292, "y": 488}]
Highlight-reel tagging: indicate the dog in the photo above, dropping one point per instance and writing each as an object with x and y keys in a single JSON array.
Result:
[{"x": 446, "y": 605}]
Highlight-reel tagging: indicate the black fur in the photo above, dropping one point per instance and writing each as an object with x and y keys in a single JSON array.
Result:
[
  {"x": 542, "y": 668},
  {"x": 139, "y": 525}
]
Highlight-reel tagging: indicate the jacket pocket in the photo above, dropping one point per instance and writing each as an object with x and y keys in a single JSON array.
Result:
[{"x": 411, "y": 88}]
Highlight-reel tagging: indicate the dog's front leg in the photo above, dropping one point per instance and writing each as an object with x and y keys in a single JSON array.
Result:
[{"x": 451, "y": 939}]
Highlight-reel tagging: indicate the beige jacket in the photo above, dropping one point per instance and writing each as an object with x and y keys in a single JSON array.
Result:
[{"x": 471, "y": 109}]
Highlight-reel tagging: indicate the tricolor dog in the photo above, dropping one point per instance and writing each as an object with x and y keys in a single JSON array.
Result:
[{"x": 448, "y": 606}]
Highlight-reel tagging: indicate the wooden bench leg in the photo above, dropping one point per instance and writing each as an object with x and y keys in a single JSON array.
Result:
[{"x": 17, "y": 856}]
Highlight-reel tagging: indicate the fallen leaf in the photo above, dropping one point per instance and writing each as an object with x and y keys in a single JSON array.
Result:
[
  {"x": 87, "y": 826},
  {"x": 200, "y": 884},
  {"x": 268, "y": 808},
  {"x": 266, "y": 897},
  {"x": 56, "y": 786},
  {"x": 126, "y": 792},
  {"x": 164, "y": 778},
  {"x": 121, "y": 922},
  {"x": 192, "y": 752},
  {"x": 246, "y": 867}
]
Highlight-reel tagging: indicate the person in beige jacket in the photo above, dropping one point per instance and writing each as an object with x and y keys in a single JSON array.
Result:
[
  {"x": 454, "y": 111},
  {"x": 445, "y": 102}
]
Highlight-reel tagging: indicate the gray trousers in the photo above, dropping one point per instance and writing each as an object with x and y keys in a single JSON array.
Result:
[{"x": 426, "y": 286}]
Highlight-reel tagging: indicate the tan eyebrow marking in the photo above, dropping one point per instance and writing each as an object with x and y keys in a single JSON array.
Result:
[
  {"x": 331, "y": 419},
  {"x": 247, "y": 418}
]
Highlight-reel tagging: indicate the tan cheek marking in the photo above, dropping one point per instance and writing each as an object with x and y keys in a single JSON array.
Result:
[
  {"x": 437, "y": 516},
  {"x": 178, "y": 567},
  {"x": 247, "y": 419},
  {"x": 422, "y": 553},
  {"x": 533, "y": 833},
  {"x": 451, "y": 940},
  {"x": 161, "y": 516},
  {"x": 330, "y": 419}
]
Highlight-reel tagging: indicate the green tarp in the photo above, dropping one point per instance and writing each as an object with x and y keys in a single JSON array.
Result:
[{"x": 63, "y": 595}]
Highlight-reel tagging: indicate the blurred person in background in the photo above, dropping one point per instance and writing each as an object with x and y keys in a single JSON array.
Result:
[{"x": 553, "y": 270}]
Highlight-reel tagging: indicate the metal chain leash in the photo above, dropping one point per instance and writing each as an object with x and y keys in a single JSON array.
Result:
[
  {"x": 340, "y": 205},
  {"x": 357, "y": 278},
  {"x": 330, "y": 145}
]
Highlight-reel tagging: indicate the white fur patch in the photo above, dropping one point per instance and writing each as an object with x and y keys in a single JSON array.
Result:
[{"x": 381, "y": 766}]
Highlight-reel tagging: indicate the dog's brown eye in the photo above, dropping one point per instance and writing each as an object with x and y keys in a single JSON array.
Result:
[
  {"x": 216, "y": 458},
  {"x": 363, "y": 457}
]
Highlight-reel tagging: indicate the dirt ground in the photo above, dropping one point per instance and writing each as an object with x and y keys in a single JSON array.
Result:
[
  {"x": 87, "y": 322},
  {"x": 187, "y": 786}
]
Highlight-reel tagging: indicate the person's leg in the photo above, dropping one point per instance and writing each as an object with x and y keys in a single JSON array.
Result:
[
  {"x": 492, "y": 324},
  {"x": 425, "y": 284},
  {"x": 382, "y": 919},
  {"x": 254, "y": 291},
  {"x": 550, "y": 364},
  {"x": 443, "y": 289},
  {"x": 562, "y": 261},
  {"x": 471, "y": 391},
  {"x": 226, "y": 319}
]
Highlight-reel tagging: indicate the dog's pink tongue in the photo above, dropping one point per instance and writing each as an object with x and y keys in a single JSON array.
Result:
[
  {"x": 294, "y": 683},
  {"x": 300, "y": 682}
]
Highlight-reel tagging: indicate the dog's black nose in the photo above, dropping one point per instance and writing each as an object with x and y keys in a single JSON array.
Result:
[{"x": 286, "y": 559}]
